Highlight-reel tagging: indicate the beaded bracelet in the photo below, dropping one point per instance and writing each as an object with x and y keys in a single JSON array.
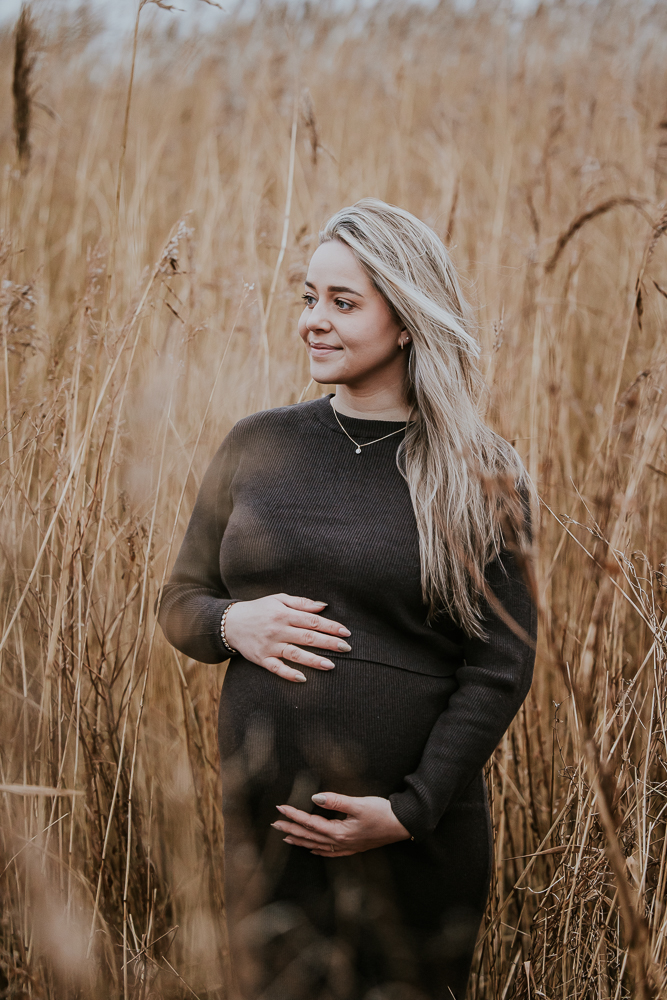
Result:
[{"x": 222, "y": 630}]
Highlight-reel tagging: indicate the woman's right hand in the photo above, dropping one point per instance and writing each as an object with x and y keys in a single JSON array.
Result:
[{"x": 266, "y": 631}]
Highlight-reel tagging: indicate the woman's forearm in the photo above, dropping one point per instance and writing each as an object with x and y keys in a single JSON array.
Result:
[{"x": 493, "y": 683}]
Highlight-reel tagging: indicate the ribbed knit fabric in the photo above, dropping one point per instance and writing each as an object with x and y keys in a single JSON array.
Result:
[
  {"x": 288, "y": 506},
  {"x": 411, "y": 714},
  {"x": 407, "y": 913}
]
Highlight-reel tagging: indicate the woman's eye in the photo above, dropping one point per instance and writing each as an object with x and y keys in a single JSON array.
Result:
[
  {"x": 308, "y": 299},
  {"x": 345, "y": 306}
]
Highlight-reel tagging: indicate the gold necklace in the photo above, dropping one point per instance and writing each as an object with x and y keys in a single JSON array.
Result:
[{"x": 366, "y": 443}]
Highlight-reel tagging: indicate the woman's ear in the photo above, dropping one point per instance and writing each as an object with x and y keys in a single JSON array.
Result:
[{"x": 404, "y": 339}]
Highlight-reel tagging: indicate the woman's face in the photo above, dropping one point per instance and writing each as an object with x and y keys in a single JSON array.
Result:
[{"x": 351, "y": 334}]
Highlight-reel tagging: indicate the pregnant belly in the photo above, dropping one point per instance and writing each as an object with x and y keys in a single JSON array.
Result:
[{"x": 358, "y": 729}]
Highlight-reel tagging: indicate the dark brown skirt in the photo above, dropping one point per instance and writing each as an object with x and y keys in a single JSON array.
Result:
[{"x": 395, "y": 923}]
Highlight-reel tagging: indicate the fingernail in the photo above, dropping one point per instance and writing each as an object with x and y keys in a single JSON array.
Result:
[
  {"x": 286, "y": 840},
  {"x": 344, "y": 647},
  {"x": 280, "y": 809},
  {"x": 299, "y": 676},
  {"x": 344, "y": 631},
  {"x": 320, "y": 799},
  {"x": 323, "y": 603},
  {"x": 275, "y": 826},
  {"x": 327, "y": 664}
]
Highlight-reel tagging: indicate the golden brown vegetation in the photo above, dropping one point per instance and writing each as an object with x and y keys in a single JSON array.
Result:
[{"x": 136, "y": 330}]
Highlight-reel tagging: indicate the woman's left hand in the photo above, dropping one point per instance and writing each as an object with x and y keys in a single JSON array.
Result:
[{"x": 370, "y": 822}]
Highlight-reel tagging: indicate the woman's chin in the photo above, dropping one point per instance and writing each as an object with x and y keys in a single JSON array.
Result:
[{"x": 324, "y": 375}]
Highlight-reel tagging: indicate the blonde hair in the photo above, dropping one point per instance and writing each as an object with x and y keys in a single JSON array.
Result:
[{"x": 462, "y": 476}]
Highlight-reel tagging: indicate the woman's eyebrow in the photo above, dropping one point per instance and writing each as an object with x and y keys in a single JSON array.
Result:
[
  {"x": 337, "y": 288},
  {"x": 343, "y": 288}
]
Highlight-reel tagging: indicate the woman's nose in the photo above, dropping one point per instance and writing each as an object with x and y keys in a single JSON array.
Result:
[{"x": 317, "y": 318}]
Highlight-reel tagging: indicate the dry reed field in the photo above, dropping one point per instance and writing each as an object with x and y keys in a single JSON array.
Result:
[{"x": 153, "y": 246}]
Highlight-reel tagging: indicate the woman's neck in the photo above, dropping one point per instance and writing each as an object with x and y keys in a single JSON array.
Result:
[{"x": 379, "y": 404}]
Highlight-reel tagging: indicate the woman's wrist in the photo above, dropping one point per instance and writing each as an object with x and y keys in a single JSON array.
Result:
[{"x": 223, "y": 630}]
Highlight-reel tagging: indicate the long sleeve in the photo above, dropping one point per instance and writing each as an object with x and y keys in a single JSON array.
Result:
[
  {"x": 493, "y": 682},
  {"x": 194, "y": 598}
]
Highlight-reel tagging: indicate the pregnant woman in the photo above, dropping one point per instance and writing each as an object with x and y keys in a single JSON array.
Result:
[{"x": 359, "y": 560}]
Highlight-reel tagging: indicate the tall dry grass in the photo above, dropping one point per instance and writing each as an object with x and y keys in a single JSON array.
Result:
[{"x": 142, "y": 316}]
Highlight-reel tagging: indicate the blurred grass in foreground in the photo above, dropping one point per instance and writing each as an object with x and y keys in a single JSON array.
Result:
[{"x": 133, "y": 337}]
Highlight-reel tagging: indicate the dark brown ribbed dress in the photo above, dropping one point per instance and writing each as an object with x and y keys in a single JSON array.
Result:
[{"x": 412, "y": 714}]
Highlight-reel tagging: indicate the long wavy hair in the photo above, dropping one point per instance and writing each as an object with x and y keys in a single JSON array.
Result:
[{"x": 468, "y": 485}]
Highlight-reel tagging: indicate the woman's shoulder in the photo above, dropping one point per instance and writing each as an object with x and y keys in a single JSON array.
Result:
[
  {"x": 295, "y": 418},
  {"x": 267, "y": 432}
]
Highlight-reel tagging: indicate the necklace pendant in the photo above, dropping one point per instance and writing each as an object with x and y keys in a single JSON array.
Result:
[{"x": 358, "y": 451}]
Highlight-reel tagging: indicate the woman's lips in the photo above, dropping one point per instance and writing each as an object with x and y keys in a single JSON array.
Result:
[{"x": 323, "y": 350}]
